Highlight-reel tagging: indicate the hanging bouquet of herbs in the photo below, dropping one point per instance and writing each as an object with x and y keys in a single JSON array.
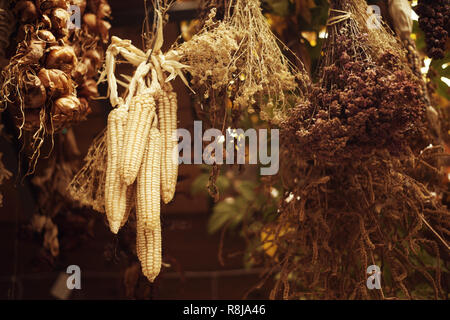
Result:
[
  {"x": 239, "y": 58},
  {"x": 352, "y": 157},
  {"x": 367, "y": 97}
]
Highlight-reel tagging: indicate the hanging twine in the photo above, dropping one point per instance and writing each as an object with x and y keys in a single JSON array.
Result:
[{"x": 344, "y": 15}]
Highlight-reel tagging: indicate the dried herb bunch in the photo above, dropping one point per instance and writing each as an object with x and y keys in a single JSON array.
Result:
[
  {"x": 239, "y": 57},
  {"x": 362, "y": 102},
  {"x": 434, "y": 20},
  {"x": 51, "y": 79},
  {"x": 351, "y": 169},
  {"x": 335, "y": 222}
]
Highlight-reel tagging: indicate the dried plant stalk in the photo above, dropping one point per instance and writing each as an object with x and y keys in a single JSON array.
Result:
[{"x": 241, "y": 54}]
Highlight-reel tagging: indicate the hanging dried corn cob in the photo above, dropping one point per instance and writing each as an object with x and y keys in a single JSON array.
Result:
[
  {"x": 52, "y": 59},
  {"x": 141, "y": 114},
  {"x": 115, "y": 189},
  {"x": 148, "y": 248},
  {"x": 168, "y": 123},
  {"x": 148, "y": 203},
  {"x": 142, "y": 160}
]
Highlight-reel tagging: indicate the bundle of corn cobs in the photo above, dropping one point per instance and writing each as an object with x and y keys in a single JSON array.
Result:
[
  {"x": 138, "y": 147},
  {"x": 50, "y": 80}
]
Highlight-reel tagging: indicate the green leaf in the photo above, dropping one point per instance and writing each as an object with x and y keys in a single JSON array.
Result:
[
  {"x": 246, "y": 189},
  {"x": 279, "y": 7},
  {"x": 199, "y": 184},
  {"x": 222, "y": 213},
  {"x": 230, "y": 210}
]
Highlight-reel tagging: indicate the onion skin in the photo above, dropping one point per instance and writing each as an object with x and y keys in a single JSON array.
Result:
[
  {"x": 44, "y": 5},
  {"x": 28, "y": 11},
  {"x": 34, "y": 53},
  {"x": 69, "y": 109},
  {"x": 35, "y": 96},
  {"x": 95, "y": 56},
  {"x": 46, "y": 36},
  {"x": 90, "y": 21},
  {"x": 104, "y": 10},
  {"x": 81, "y": 4},
  {"x": 80, "y": 72},
  {"x": 46, "y": 22},
  {"x": 103, "y": 28},
  {"x": 59, "y": 71},
  {"x": 56, "y": 82},
  {"x": 62, "y": 58},
  {"x": 59, "y": 19},
  {"x": 89, "y": 89},
  {"x": 65, "y": 108}
]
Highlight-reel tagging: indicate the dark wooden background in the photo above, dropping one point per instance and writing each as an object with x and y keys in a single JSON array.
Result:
[{"x": 195, "y": 273}]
